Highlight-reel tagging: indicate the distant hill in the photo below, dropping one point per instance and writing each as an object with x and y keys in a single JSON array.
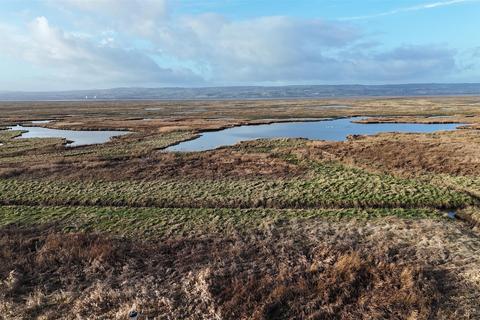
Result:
[{"x": 252, "y": 92}]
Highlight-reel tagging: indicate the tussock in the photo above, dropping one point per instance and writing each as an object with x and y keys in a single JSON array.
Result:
[{"x": 284, "y": 274}]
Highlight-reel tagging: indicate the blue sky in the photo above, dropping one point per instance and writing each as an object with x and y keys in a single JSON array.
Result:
[{"x": 80, "y": 44}]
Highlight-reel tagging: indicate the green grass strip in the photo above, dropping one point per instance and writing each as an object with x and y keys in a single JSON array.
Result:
[{"x": 158, "y": 222}]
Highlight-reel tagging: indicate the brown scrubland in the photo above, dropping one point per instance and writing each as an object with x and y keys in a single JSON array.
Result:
[
  {"x": 393, "y": 269},
  {"x": 265, "y": 229}
]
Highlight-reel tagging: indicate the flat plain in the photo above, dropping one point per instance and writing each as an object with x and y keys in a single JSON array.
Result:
[{"x": 264, "y": 229}]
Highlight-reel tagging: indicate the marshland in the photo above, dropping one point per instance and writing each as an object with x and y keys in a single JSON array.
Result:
[{"x": 280, "y": 227}]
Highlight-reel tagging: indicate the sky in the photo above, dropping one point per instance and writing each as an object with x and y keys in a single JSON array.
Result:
[{"x": 48, "y": 45}]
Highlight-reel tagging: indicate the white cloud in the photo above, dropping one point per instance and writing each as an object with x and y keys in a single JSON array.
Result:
[
  {"x": 287, "y": 50},
  {"x": 78, "y": 58},
  {"x": 140, "y": 16},
  {"x": 147, "y": 9},
  {"x": 249, "y": 50},
  {"x": 221, "y": 51},
  {"x": 404, "y": 63},
  {"x": 425, "y": 6}
]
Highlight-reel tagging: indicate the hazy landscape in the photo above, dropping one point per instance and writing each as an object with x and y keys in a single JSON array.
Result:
[{"x": 251, "y": 92}]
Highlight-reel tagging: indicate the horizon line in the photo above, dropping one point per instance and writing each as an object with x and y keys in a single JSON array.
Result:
[{"x": 244, "y": 86}]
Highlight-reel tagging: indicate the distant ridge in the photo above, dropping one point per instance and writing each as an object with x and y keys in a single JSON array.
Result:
[{"x": 250, "y": 92}]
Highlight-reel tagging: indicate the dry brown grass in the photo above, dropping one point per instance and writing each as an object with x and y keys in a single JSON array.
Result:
[
  {"x": 467, "y": 119},
  {"x": 112, "y": 114},
  {"x": 454, "y": 153},
  {"x": 352, "y": 285},
  {"x": 218, "y": 164},
  {"x": 318, "y": 270},
  {"x": 470, "y": 215}
]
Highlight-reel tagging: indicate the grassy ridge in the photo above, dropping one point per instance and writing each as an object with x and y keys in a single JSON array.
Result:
[
  {"x": 332, "y": 186},
  {"x": 12, "y": 148},
  {"x": 7, "y": 135},
  {"x": 468, "y": 184},
  {"x": 153, "y": 222},
  {"x": 135, "y": 145}
]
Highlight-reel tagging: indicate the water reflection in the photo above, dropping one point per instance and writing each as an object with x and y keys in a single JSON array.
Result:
[
  {"x": 334, "y": 130},
  {"x": 77, "y": 138}
]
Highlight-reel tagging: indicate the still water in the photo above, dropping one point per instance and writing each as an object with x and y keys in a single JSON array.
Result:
[
  {"x": 78, "y": 138},
  {"x": 334, "y": 130}
]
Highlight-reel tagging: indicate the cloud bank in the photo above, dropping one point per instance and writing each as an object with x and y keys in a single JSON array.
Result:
[{"x": 211, "y": 49}]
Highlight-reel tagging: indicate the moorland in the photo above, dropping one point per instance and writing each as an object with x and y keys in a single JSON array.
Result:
[{"x": 375, "y": 227}]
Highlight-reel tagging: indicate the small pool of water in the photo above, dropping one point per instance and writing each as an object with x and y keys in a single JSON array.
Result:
[
  {"x": 439, "y": 117},
  {"x": 330, "y": 106},
  {"x": 334, "y": 130},
  {"x": 40, "y": 121},
  {"x": 452, "y": 214},
  {"x": 77, "y": 138}
]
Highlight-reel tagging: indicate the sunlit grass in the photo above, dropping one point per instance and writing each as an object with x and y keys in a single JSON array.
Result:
[
  {"x": 153, "y": 222},
  {"x": 331, "y": 185}
]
